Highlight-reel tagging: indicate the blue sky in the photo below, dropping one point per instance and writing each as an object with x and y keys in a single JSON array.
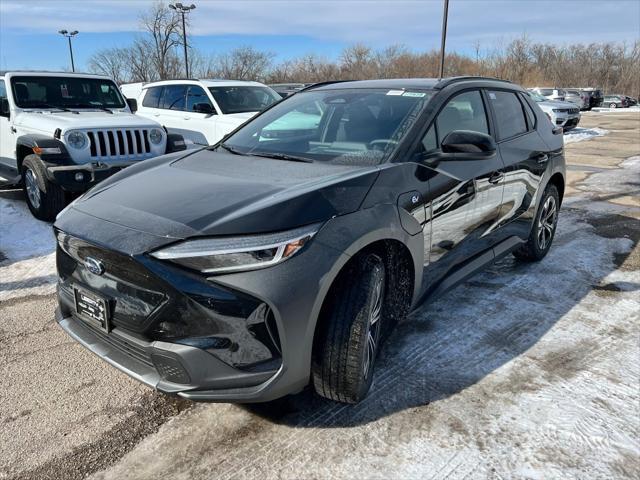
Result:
[{"x": 28, "y": 37}]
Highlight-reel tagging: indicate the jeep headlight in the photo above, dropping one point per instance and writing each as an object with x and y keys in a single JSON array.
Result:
[
  {"x": 234, "y": 254},
  {"x": 76, "y": 139},
  {"x": 155, "y": 136}
]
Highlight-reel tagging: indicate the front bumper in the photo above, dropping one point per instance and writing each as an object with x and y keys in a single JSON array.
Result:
[
  {"x": 89, "y": 174},
  {"x": 152, "y": 363}
]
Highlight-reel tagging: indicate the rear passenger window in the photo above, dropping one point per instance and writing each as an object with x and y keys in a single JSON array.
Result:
[
  {"x": 509, "y": 114},
  {"x": 463, "y": 112},
  {"x": 173, "y": 97},
  {"x": 531, "y": 116},
  {"x": 152, "y": 97}
]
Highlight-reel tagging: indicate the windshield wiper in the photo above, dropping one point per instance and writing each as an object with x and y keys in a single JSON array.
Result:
[
  {"x": 230, "y": 149},
  {"x": 98, "y": 107},
  {"x": 281, "y": 156},
  {"x": 46, "y": 105}
]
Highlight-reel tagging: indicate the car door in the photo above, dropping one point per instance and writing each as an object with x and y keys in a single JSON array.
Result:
[
  {"x": 172, "y": 107},
  {"x": 525, "y": 156},
  {"x": 199, "y": 127},
  {"x": 7, "y": 141},
  {"x": 464, "y": 195}
]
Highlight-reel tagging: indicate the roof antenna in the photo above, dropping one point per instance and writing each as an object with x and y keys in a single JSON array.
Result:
[{"x": 445, "y": 14}]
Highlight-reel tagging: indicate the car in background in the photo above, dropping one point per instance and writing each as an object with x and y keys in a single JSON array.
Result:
[
  {"x": 631, "y": 101},
  {"x": 550, "y": 93},
  {"x": 63, "y": 133},
  {"x": 595, "y": 96},
  {"x": 287, "y": 89},
  {"x": 577, "y": 96},
  {"x": 561, "y": 114},
  {"x": 203, "y": 111},
  {"x": 615, "y": 101}
]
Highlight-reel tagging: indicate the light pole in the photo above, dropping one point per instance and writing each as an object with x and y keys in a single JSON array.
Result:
[
  {"x": 182, "y": 9},
  {"x": 445, "y": 14},
  {"x": 69, "y": 35}
]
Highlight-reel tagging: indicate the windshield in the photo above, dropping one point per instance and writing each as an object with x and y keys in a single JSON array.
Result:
[
  {"x": 65, "y": 92},
  {"x": 243, "y": 99},
  {"x": 355, "y": 127}
]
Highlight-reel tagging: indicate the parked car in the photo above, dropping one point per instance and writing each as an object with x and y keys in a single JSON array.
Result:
[
  {"x": 287, "y": 89},
  {"x": 244, "y": 271},
  {"x": 550, "y": 93},
  {"x": 132, "y": 90},
  {"x": 615, "y": 101},
  {"x": 631, "y": 101},
  {"x": 203, "y": 111},
  {"x": 595, "y": 96},
  {"x": 577, "y": 96},
  {"x": 561, "y": 114},
  {"x": 62, "y": 133}
]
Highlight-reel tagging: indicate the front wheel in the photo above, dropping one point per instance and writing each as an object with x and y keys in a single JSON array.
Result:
[
  {"x": 348, "y": 340},
  {"x": 544, "y": 228},
  {"x": 44, "y": 198},
  {"x": 613, "y": 105}
]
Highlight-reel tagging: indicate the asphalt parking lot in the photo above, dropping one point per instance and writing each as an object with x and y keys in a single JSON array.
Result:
[{"x": 524, "y": 371}]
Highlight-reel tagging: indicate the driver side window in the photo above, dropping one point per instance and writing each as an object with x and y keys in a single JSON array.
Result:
[{"x": 465, "y": 111}]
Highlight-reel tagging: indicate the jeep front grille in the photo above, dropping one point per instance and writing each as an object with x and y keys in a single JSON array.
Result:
[{"x": 120, "y": 144}]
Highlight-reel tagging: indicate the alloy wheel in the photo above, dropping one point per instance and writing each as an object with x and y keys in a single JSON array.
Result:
[
  {"x": 373, "y": 325},
  {"x": 547, "y": 222},
  {"x": 33, "y": 191}
]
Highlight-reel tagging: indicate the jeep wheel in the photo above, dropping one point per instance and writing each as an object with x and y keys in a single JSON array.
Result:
[
  {"x": 45, "y": 199},
  {"x": 544, "y": 228},
  {"x": 347, "y": 344}
]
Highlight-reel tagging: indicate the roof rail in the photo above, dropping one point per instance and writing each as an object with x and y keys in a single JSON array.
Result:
[
  {"x": 448, "y": 81},
  {"x": 322, "y": 84}
]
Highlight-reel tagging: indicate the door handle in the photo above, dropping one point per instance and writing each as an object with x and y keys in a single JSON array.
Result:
[
  {"x": 542, "y": 158},
  {"x": 496, "y": 177}
]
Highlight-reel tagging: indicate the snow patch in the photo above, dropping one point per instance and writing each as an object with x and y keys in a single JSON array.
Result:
[{"x": 580, "y": 134}]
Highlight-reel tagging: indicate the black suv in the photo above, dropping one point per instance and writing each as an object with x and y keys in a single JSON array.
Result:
[{"x": 285, "y": 254}]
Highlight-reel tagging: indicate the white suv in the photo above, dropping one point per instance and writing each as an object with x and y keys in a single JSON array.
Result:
[
  {"x": 202, "y": 111},
  {"x": 61, "y": 133}
]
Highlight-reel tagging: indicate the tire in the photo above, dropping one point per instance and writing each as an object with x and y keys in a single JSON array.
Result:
[
  {"x": 544, "y": 228},
  {"x": 613, "y": 105},
  {"x": 44, "y": 198},
  {"x": 350, "y": 335}
]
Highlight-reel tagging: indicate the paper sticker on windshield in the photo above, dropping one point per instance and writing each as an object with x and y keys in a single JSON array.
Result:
[
  {"x": 64, "y": 91},
  {"x": 414, "y": 94},
  {"x": 395, "y": 92},
  {"x": 492, "y": 95}
]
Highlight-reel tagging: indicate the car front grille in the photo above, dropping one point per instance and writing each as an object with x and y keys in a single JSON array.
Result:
[
  {"x": 570, "y": 110},
  {"x": 120, "y": 144}
]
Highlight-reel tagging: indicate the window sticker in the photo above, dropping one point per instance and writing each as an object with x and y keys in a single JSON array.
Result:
[
  {"x": 395, "y": 92},
  {"x": 413, "y": 94},
  {"x": 64, "y": 91},
  {"x": 492, "y": 95}
]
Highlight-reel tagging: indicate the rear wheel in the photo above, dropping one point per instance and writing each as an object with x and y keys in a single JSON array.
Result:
[
  {"x": 348, "y": 342},
  {"x": 44, "y": 198},
  {"x": 544, "y": 228},
  {"x": 613, "y": 105}
]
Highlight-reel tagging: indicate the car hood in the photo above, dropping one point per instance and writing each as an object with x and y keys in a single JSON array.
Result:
[
  {"x": 215, "y": 193},
  {"x": 557, "y": 104},
  {"x": 48, "y": 121}
]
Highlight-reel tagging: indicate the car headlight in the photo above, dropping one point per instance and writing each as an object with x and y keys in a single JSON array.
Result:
[
  {"x": 155, "y": 136},
  {"x": 235, "y": 254},
  {"x": 76, "y": 139}
]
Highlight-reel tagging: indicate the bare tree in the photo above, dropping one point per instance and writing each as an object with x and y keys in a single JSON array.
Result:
[{"x": 242, "y": 63}]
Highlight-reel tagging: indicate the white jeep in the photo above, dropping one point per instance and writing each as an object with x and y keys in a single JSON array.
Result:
[{"x": 61, "y": 133}]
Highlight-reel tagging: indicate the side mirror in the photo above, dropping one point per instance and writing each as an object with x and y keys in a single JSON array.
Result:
[
  {"x": 4, "y": 108},
  {"x": 203, "y": 108},
  {"x": 462, "y": 144},
  {"x": 133, "y": 104}
]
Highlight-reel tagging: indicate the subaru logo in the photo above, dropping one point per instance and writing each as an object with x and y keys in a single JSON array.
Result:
[{"x": 94, "y": 266}]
